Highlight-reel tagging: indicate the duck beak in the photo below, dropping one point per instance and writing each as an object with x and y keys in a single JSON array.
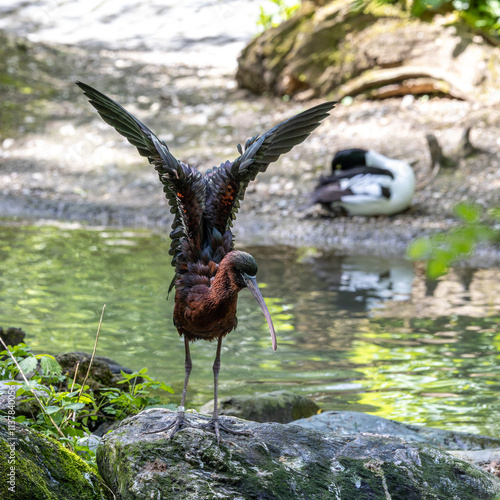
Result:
[{"x": 251, "y": 284}]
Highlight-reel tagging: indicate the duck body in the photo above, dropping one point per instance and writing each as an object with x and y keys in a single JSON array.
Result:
[{"x": 366, "y": 183}]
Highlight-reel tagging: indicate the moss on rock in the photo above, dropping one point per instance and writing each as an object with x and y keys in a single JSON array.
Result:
[
  {"x": 348, "y": 48},
  {"x": 277, "y": 406},
  {"x": 40, "y": 468},
  {"x": 276, "y": 461}
]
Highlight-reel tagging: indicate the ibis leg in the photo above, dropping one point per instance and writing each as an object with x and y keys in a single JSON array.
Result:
[
  {"x": 214, "y": 422},
  {"x": 216, "y": 369},
  {"x": 175, "y": 425},
  {"x": 188, "y": 365}
]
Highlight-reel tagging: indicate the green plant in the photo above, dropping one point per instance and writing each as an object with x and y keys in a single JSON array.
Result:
[
  {"x": 442, "y": 250},
  {"x": 136, "y": 398},
  {"x": 66, "y": 410},
  {"x": 283, "y": 10},
  {"x": 482, "y": 15}
]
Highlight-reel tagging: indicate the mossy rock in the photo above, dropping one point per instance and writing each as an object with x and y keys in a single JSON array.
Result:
[
  {"x": 278, "y": 462},
  {"x": 277, "y": 406},
  {"x": 12, "y": 336},
  {"x": 351, "y": 422},
  {"x": 104, "y": 372},
  {"x": 38, "y": 468},
  {"x": 351, "y": 48}
]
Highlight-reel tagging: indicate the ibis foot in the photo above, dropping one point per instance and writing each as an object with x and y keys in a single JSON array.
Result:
[
  {"x": 217, "y": 426},
  {"x": 177, "y": 424}
]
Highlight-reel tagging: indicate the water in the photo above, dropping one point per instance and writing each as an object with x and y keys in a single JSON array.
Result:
[
  {"x": 358, "y": 333},
  {"x": 191, "y": 32}
]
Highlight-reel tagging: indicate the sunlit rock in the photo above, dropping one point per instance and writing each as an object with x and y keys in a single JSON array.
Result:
[
  {"x": 278, "y": 461},
  {"x": 348, "y": 48},
  {"x": 277, "y": 406},
  {"x": 35, "y": 467},
  {"x": 353, "y": 422}
]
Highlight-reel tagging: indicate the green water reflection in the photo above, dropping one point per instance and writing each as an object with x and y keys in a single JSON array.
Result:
[{"x": 353, "y": 333}]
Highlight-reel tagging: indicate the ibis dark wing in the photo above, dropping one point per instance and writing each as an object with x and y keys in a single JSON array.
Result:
[
  {"x": 184, "y": 186},
  {"x": 226, "y": 184}
]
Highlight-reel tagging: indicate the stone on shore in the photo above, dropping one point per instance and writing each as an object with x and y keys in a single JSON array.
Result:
[
  {"x": 277, "y": 406},
  {"x": 35, "y": 467},
  {"x": 354, "y": 422},
  {"x": 276, "y": 461}
]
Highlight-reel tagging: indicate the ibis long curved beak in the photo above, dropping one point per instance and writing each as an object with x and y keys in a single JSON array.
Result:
[{"x": 251, "y": 284}]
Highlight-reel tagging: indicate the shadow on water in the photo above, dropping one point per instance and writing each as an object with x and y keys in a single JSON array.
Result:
[{"x": 354, "y": 333}]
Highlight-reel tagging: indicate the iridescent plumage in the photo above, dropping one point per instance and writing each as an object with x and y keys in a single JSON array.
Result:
[{"x": 209, "y": 273}]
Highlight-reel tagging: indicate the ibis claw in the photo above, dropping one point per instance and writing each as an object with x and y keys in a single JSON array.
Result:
[
  {"x": 173, "y": 427},
  {"x": 217, "y": 426}
]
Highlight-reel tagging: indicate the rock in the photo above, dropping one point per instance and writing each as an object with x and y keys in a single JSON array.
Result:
[
  {"x": 24, "y": 404},
  {"x": 104, "y": 372},
  {"x": 7, "y": 394},
  {"x": 35, "y": 467},
  {"x": 493, "y": 467},
  {"x": 353, "y": 422},
  {"x": 489, "y": 457},
  {"x": 12, "y": 336},
  {"x": 91, "y": 441},
  {"x": 345, "y": 49},
  {"x": 279, "y": 462},
  {"x": 100, "y": 374},
  {"x": 278, "y": 406}
]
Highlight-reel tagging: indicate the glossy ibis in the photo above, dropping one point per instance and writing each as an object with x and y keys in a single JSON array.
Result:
[
  {"x": 366, "y": 183},
  {"x": 209, "y": 273}
]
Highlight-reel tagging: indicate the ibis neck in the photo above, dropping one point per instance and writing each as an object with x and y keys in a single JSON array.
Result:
[{"x": 224, "y": 286}]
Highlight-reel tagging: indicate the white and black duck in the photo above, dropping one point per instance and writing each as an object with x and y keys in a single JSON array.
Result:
[{"x": 366, "y": 183}]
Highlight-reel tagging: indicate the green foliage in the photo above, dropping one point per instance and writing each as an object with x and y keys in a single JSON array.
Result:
[
  {"x": 480, "y": 14},
  {"x": 443, "y": 249},
  {"x": 136, "y": 398},
  {"x": 68, "y": 410},
  {"x": 283, "y": 10}
]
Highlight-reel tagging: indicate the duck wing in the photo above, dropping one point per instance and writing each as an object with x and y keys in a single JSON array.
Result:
[
  {"x": 354, "y": 172},
  {"x": 356, "y": 185}
]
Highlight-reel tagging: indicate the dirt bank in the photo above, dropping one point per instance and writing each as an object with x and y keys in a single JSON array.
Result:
[{"x": 60, "y": 161}]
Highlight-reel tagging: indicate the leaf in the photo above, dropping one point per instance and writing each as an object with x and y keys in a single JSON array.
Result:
[
  {"x": 74, "y": 406},
  {"x": 420, "y": 249},
  {"x": 50, "y": 366},
  {"x": 126, "y": 376},
  {"x": 28, "y": 364},
  {"x": 436, "y": 268},
  {"x": 71, "y": 431},
  {"x": 170, "y": 406},
  {"x": 468, "y": 213},
  {"x": 494, "y": 212},
  {"x": 86, "y": 399},
  {"x": 165, "y": 387},
  {"x": 49, "y": 410}
]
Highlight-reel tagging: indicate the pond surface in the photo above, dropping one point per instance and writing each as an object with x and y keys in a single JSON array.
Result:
[{"x": 354, "y": 333}]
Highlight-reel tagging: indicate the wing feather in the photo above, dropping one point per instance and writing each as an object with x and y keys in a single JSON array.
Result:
[
  {"x": 184, "y": 186},
  {"x": 230, "y": 180}
]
